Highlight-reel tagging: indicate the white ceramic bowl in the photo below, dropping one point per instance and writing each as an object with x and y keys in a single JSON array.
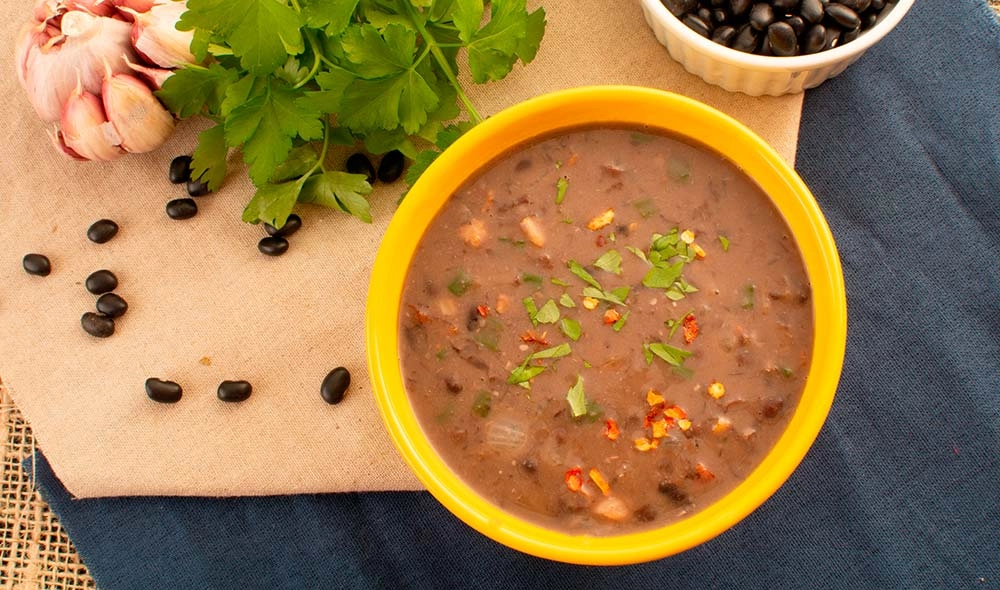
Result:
[{"x": 757, "y": 74}]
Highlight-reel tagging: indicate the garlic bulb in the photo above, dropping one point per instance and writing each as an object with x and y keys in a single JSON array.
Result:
[{"x": 91, "y": 65}]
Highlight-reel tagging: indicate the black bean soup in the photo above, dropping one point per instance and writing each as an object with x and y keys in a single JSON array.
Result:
[{"x": 606, "y": 330}]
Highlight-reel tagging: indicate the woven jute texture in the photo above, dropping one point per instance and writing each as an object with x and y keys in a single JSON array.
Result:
[{"x": 35, "y": 552}]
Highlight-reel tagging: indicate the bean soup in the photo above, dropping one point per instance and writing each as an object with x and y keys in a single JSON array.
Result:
[{"x": 606, "y": 330}]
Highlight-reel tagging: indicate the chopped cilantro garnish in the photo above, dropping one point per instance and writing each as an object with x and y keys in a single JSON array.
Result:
[
  {"x": 531, "y": 279},
  {"x": 531, "y": 308},
  {"x": 673, "y": 356},
  {"x": 608, "y": 296},
  {"x": 618, "y": 325},
  {"x": 639, "y": 253},
  {"x": 577, "y": 399},
  {"x": 525, "y": 372},
  {"x": 571, "y": 328},
  {"x": 646, "y": 208},
  {"x": 579, "y": 271},
  {"x": 482, "y": 404},
  {"x": 610, "y": 261},
  {"x": 489, "y": 334},
  {"x": 460, "y": 283},
  {"x": 559, "y": 282},
  {"x": 561, "y": 185},
  {"x": 566, "y": 301},
  {"x": 748, "y": 295},
  {"x": 547, "y": 313},
  {"x": 679, "y": 170},
  {"x": 675, "y": 324},
  {"x": 725, "y": 243},
  {"x": 662, "y": 276}
]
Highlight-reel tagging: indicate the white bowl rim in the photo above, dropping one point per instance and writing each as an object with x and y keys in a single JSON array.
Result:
[{"x": 847, "y": 51}]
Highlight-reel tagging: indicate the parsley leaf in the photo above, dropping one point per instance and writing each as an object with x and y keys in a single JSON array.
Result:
[
  {"x": 579, "y": 271},
  {"x": 208, "y": 162},
  {"x": 339, "y": 190},
  {"x": 671, "y": 354},
  {"x": 547, "y": 314}
]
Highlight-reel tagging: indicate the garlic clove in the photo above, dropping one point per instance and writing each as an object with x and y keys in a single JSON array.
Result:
[
  {"x": 137, "y": 116},
  {"x": 85, "y": 129},
  {"x": 155, "y": 77},
  {"x": 155, "y": 35},
  {"x": 51, "y": 60}
]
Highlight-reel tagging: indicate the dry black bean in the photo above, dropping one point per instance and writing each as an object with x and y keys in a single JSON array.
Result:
[
  {"x": 102, "y": 231},
  {"x": 165, "y": 392},
  {"x": 679, "y": 7},
  {"x": 673, "y": 491},
  {"x": 197, "y": 188},
  {"x": 781, "y": 37},
  {"x": 814, "y": 40},
  {"x": 97, "y": 324},
  {"x": 797, "y": 23},
  {"x": 842, "y": 20},
  {"x": 761, "y": 15},
  {"x": 180, "y": 169},
  {"x": 182, "y": 209},
  {"x": 273, "y": 245},
  {"x": 843, "y": 16},
  {"x": 811, "y": 11},
  {"x": 360, "y": 164},
  {"x": 334, "y": 385},
  {"x": 453, "y": 385},
  {"x": 101, "y": 281},
  {"x": 234, "y": 391},
  {"x": 858, "y": 6},
  {"x": 292, "y": 225},
  {"x": 391, "y": 166},
  {"x": 36, "y": 264},
  {"x": 724, "y": 35},
  {"x": 697, "y": 24},
  {"x": 739, "y": 7},
  {"x": 746, "y": 39},
  {"x": 832, "y": 37},
  {"x": 112, "y": 305}
]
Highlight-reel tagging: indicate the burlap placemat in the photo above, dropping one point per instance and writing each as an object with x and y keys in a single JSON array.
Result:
[
  {"x": 35, "y": 552},
  {"x": 206, "y": 306}
]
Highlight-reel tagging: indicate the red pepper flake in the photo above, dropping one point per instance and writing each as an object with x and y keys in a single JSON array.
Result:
[
  {"x": 690, "y": 325},
  {"x": 531, "y": 338},
  {"x": 653, "y": 415},
  {"x": 611, "y": 429},
  {"x": 482, "y": 310},
  {"x": 703, "y": 473},
  {"x": 574, "y": 479},
  {"x": 601, "y": 242},
  {"x": 611, "y": 316},
  {"x": 418, "y": 316},
  {"x": 599, "y": 481}
]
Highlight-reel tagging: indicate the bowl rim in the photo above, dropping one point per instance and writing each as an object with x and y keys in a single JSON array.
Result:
[
  {"x": 846, "y": 52},
  {"x": 566, "y": 109}
]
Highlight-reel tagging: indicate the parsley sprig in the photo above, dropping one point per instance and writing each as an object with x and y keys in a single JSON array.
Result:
[{"x": 285, "y": 79}]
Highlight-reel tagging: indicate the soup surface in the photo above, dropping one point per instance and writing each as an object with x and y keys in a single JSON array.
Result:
[{"x": 606, "y": 330}]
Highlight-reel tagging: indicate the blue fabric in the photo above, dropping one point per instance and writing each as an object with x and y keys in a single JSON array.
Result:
[{"x": 901, "y": 489}]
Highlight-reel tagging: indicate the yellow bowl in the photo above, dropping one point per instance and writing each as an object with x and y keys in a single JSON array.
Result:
[{"x": 614, "y": 105}]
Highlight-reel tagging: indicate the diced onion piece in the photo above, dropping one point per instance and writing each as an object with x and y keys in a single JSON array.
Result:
[
  {"x": 533, "y": 231},
  {"x": 473, "y": 233},
  {"x": 687, "y": 236},
  {"x": 611, "y": 508}
]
